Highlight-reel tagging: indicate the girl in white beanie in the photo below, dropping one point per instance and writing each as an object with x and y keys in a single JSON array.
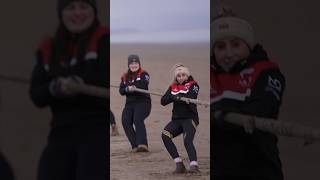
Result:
[
  {"x": 244, "y": 81},
  {"x": 184, "y": 118}
]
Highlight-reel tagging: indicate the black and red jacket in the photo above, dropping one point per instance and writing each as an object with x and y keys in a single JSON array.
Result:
[
  {"x": 182, "y": 110},
  {"x": 254, "y": 87},
  {"x": 140, "y": 79},
  {"x": 93, "y": 69}
]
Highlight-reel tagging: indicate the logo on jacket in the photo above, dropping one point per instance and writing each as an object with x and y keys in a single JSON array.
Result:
[
  {"x": 195, "y": 89},
  {"x": 274, "y": 86},
  {"x": 147, "y": 77}
]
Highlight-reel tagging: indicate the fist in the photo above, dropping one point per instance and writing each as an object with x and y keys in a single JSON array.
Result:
[{"x": 131, "y": 88}]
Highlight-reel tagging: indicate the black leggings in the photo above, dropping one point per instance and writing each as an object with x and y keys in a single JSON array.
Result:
[
  {"x": 175, "y": 128},
  {"x": 76, "y": 153},
  {"x": 112, "y": 118},
  {"x": 135, "y": 114},
  {"x": 5, "y": 169}
]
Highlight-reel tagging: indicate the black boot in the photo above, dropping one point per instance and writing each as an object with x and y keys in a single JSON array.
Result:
[
  {"x": 142, "y": 148},
  {"x": 194, "y": 169},
  {"x": 180, "y": 168}
]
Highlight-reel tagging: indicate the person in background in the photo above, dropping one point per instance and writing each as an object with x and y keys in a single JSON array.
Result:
[{"x": 114, "y": 127}]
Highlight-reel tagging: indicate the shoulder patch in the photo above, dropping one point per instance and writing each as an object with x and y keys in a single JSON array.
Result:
[
  {"x": 195, "y": 88},
  {"x": 274, "y": 86},
  {"x": 147, "y": 77}
]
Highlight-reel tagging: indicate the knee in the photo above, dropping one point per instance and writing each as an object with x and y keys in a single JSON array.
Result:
[
  {"x": 125, "y": 122},
  {"x": 138, "y": 121},
  {"x": 187, "y": 141},
  {"x": 166, "y": 136}
]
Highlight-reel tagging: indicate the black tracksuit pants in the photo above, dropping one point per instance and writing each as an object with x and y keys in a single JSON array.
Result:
[
  {"x": 134, "y": 114},
  {"x": 5, "y": 169},
  {"x": 76, "y": 153},
  {"x": 175, "y": 128}
]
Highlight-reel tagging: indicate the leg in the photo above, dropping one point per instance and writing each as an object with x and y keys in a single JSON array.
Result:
[
  {"x": 93, "y": 153},
  {"x": 171, "y": 130},
  {"x": 127, "y": 123},
  {"x": 189, "y": 130},
  {"x": 113, "y": 124},
  {"x": 5, "y": 169},
  {"x": 56, "y": 163},
  {"x": 141, "y": 112},
  {"x": 112, "y": 118}
]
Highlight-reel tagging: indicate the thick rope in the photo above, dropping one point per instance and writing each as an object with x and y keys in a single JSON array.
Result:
[
  {"x": 188, "y": 100},
  {"x": 14, "y": 79},
  {"x": 275, "y": 127},
  {"x": 263, "y": 124},
  {"x": 77, "y": 87},
  {"x": 90, "y": 90}
]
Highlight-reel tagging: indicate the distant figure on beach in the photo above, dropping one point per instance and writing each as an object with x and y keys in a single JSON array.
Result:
[{"x": 114, "y": 127}]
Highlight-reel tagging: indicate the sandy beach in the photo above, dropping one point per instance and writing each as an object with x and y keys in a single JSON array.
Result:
[{"x": 158, "y": 60}]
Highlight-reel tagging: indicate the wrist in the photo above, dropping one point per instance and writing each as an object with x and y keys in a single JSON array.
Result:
[{"x": 126, "y": 89}]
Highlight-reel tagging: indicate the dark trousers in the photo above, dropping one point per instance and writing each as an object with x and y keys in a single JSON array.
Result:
[
  {"x": 175, "y": 128},
  {"x": 76, "y": 153},
  {"x": 135, "y": 114},
  {"x": 112, "y": 118},
  {"x": 5, "y": 169}
]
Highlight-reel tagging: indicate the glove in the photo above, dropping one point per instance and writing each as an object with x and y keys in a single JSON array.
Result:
[
  {"x": 126, "y": 89},
  {"x": 63, "y": 87},
  {"x": 55, "y": 88},
  {"x": 176, "y": 97},
  {"x": 129, "y": 89}
]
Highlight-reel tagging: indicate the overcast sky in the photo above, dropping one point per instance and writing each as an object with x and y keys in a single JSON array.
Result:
[{"x": 160, "y": 20}]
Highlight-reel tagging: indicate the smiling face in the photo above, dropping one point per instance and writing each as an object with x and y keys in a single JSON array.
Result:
[
  {"x": 181, "y": 77},
  {"x": 78, "y": 16},
  {"x": 134, "y": 66},
  {"x": 229, "y": 51}
]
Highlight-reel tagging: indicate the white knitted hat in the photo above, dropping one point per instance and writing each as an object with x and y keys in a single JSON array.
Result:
[
  {"x": 180, "y": 68},
  {"x": 232, "y": 26}
]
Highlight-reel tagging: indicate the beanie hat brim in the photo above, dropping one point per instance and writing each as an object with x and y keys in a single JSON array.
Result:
[
  {"x": 64, "y": 3},
  {"x": 232, "y": 27},
  {"x": 133, "y": 58},
  {"x": 181, "y": 69}
]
